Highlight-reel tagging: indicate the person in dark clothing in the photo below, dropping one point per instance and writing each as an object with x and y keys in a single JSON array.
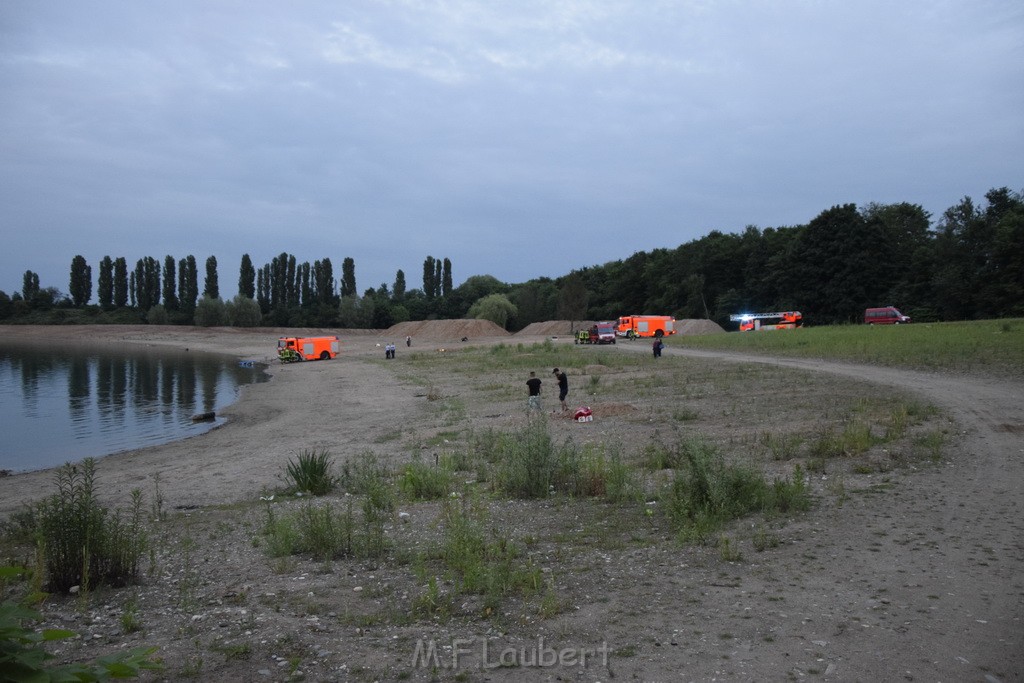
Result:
[
  {"x": 534, "y": 386},
  {"x": 563, "y": 387},
  {"x": 658, "y": 346}
]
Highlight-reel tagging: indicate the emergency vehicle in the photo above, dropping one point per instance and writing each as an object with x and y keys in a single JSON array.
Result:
[
  {"x": 778, "y": 320},
  {"x": 633, "y": 326},
  {"x": 600, "y": 333},
  {"x": 291, "y": 349}
]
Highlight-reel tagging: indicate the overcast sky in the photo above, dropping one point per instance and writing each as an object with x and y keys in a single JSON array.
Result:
[{"x": 516, "y": 138}]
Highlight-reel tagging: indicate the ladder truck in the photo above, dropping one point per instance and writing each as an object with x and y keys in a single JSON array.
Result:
[{"x": 777, "y": 320}]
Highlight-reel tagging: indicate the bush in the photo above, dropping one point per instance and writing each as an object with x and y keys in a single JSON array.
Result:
[
  {"x": 82, "y": 543},
  {"x": 243, "y": 312},
  {"x": 210, "y": 312}
]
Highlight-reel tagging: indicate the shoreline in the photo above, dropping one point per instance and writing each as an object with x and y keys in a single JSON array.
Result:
[{"x": 299, "y": 408}]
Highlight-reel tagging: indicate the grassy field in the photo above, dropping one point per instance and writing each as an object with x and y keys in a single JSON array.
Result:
[{"x": 986, "y": 346}]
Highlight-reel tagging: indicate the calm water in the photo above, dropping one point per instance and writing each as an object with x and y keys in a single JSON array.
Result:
[{"x": 62, "y": 404}]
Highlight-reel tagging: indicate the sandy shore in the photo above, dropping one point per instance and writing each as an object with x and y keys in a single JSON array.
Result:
[{"x": 304, "y": 406}]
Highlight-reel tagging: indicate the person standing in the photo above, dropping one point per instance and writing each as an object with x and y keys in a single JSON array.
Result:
[
  {"x": 658, "y": 346},
  {"x": 408, "y": 341},
  {"x": 563, "y": 388},
  {"x": 533, "y": 384}
]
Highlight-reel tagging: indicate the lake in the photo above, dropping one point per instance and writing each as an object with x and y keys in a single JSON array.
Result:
[{"x": 63, "y": 403}]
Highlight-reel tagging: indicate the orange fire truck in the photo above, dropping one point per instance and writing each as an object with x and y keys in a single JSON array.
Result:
[
  {"x": 779, "y": 320},
  {"x": 291, "y": 349},
  {"x": 633, "y": 326}
]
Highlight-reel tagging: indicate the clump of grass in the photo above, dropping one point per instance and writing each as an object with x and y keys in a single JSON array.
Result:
[
  {"x": 763, "y": 540},
  {"x": 729, "y": 551},
  {"x": 324, "y": 532},
  {"x": 657, "y": 456},
  {"x": 367, "y": 476},
  {"x": 855, "y": 438},
  {"x": 311, "y": 472},
  {"x": 423, "y": 481},
  {"x": 82, "y": 543},
  {"x": 781, "y": 446},
  {"x": 432, "y": 603},
  {"x": 707, "y": 493},
  {"x": 526, "y": 462},
  {"x": 594, "y": 472},
  {"x": 483, "y": 563}
]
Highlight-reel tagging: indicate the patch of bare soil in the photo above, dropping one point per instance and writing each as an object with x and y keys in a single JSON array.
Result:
[{"x": 908, "y": 566}]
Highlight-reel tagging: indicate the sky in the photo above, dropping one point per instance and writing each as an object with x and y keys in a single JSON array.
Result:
[{"x": 519, "y": 139}]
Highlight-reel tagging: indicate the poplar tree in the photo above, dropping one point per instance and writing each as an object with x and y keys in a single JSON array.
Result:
[
  {"x": 247, "y": 278},
  {"x": 348, "y": 277},
  {"x": 80, "y": 286},
  {"x": 428, "y": 277},
  {"x": 120, "y": 282},
  {"x": 446, "y": 278},
  {"x": 188, "y": 283},
  {"x": 170, "y": 284},
  {"x": 105, "y": 284},
  {"x": 211, "y": 290}
]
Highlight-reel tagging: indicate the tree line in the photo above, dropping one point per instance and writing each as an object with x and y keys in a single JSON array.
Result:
[{"x": 969, "y": 265}]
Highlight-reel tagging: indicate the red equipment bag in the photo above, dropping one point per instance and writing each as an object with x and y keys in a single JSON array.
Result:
[{"x": 583, "y": 414}]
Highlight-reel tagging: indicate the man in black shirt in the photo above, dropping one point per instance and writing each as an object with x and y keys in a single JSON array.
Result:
[
  {"x": 563, "y": 388},
  {"x": 534, "y": 385}
]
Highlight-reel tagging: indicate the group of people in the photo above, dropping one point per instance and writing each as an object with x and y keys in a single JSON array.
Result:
[
  {"x": 389, "y": 350},
  {"x": 534, "y": 383}
]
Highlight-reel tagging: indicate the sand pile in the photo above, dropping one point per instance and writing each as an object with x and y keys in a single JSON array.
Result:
[
  {"x": 445, "y": 330},
  {"x": 698, "y": 326},
  {"x": 554, "y": 328}
]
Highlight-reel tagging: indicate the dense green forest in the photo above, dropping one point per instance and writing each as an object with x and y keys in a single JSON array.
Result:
[{"x": 968, "y": 265}]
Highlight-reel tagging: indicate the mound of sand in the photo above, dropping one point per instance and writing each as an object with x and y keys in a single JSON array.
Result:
[
  {"x": 554, "y": 328},
  {"x": 445, "y": 330},
  {"x": 698, "y": 326}
]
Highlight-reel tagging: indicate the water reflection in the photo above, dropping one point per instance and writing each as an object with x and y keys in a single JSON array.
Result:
[{"x": 63, "y": 403}]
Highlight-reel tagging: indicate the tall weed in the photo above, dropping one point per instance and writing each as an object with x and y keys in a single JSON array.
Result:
[{"x": 83, "y": 543}]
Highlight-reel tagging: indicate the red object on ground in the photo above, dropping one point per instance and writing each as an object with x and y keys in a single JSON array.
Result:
[{"x": 583, "y": 414}]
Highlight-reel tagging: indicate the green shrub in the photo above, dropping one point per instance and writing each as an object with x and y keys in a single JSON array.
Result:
[
  {"x": 707, "y": 493},
  {"x": 422, "y": 481},
  {"x": 527, "y": 461},
  {"x": 311, "y": 472},
  {"x": 82, "y": 543}
]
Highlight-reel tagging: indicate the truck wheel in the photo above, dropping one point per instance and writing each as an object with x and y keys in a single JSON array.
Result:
[
  {"x": 659, "y": 333},
  {"x": 631, "y": 335},
  {"x": 324, "y": 355}
]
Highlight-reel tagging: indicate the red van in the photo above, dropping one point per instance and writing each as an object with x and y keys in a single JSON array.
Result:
[{"x": 887, "y": 315}]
